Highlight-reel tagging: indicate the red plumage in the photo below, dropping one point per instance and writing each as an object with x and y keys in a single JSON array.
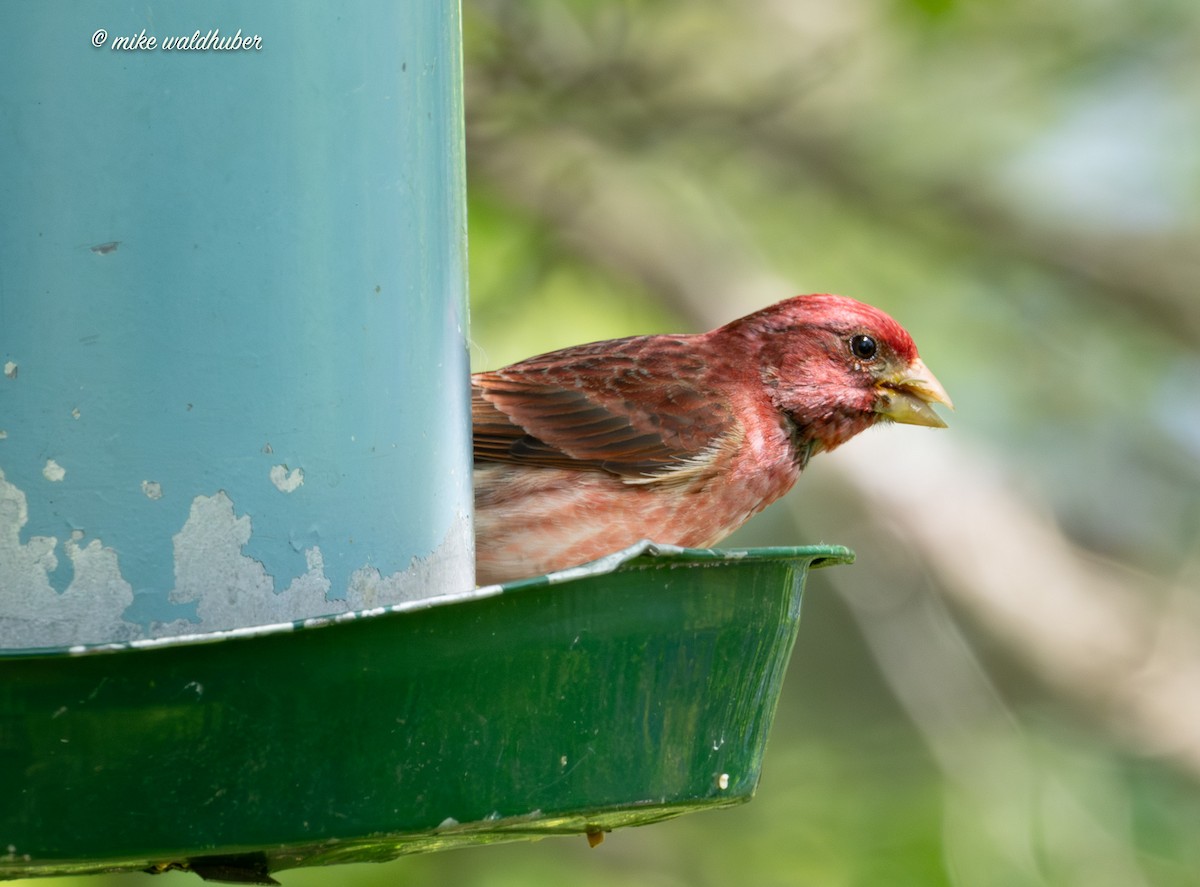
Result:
[{"x": 677, "y": 438}]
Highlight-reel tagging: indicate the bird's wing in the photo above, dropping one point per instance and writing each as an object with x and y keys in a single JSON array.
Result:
[{"x": 638, "y": 408}]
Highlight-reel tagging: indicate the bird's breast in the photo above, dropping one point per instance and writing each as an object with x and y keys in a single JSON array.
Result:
[{"x": 532, "y": 520}]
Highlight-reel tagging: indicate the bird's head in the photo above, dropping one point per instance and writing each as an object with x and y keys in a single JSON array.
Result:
[{"x": 835, "y": 366}]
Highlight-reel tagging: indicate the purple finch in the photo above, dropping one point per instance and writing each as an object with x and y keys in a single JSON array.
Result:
[{"x": 678, "y": 438}]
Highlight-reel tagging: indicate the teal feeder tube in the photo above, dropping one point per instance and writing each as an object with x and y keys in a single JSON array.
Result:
[
  {"x": 233, "y": 369},
  {"x": 239, "y": 631}
]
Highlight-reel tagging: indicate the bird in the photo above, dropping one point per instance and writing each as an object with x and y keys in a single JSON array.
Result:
[{"x": 678, "y": 439}]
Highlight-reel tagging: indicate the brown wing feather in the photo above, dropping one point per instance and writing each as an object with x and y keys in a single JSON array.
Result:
[{"x": 632, "y": 407}]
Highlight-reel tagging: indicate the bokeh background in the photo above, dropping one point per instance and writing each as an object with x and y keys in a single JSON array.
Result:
[{"x": 1005, "y": 689}]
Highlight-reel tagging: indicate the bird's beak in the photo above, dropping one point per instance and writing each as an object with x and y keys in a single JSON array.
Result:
[{"x": 907, "y": 396}]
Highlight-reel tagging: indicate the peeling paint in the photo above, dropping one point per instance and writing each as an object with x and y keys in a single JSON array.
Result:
[
  {"x": 152, "y": 489},
  {"x": 440, "y": 570},
  {"x": 232, "y": 591},
  {"x": 11, "y": 369},
  {"x": 32, "y": 613},
  {"x": 230, "y": 588},
  {"x": 3, "y": 434},
  {"x": 53, "y": 472},
  {"x": 287, "y": 481},
  {"x": 256, "y": 631}
]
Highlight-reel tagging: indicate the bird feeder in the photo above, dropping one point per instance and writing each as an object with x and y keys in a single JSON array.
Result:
[{"x": 238, "y": 627}]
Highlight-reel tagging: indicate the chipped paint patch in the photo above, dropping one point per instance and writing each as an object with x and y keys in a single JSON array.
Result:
[
  {"x": 11, "y": 369},
  {"x": 152, "y": 489},
  {"x": 230, "y": 588},
  {"x": 103, "y": 249},
  {"x": 3, "y": 434},
  {"x": 233, "y": 593},
  {"x": 287, "y": 481},
  {"x": 53, "y": 472},
  {"x": 32, "y": 613},
  {"x": 75, "y": 414},
  {"x": 439, "y": 573}
]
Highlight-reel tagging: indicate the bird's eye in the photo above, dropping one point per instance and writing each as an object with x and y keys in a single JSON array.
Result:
[{"x": 863, "y": 347}]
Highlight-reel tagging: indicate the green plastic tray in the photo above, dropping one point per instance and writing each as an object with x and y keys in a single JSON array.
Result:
[{"x": 628, "y": 691}]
